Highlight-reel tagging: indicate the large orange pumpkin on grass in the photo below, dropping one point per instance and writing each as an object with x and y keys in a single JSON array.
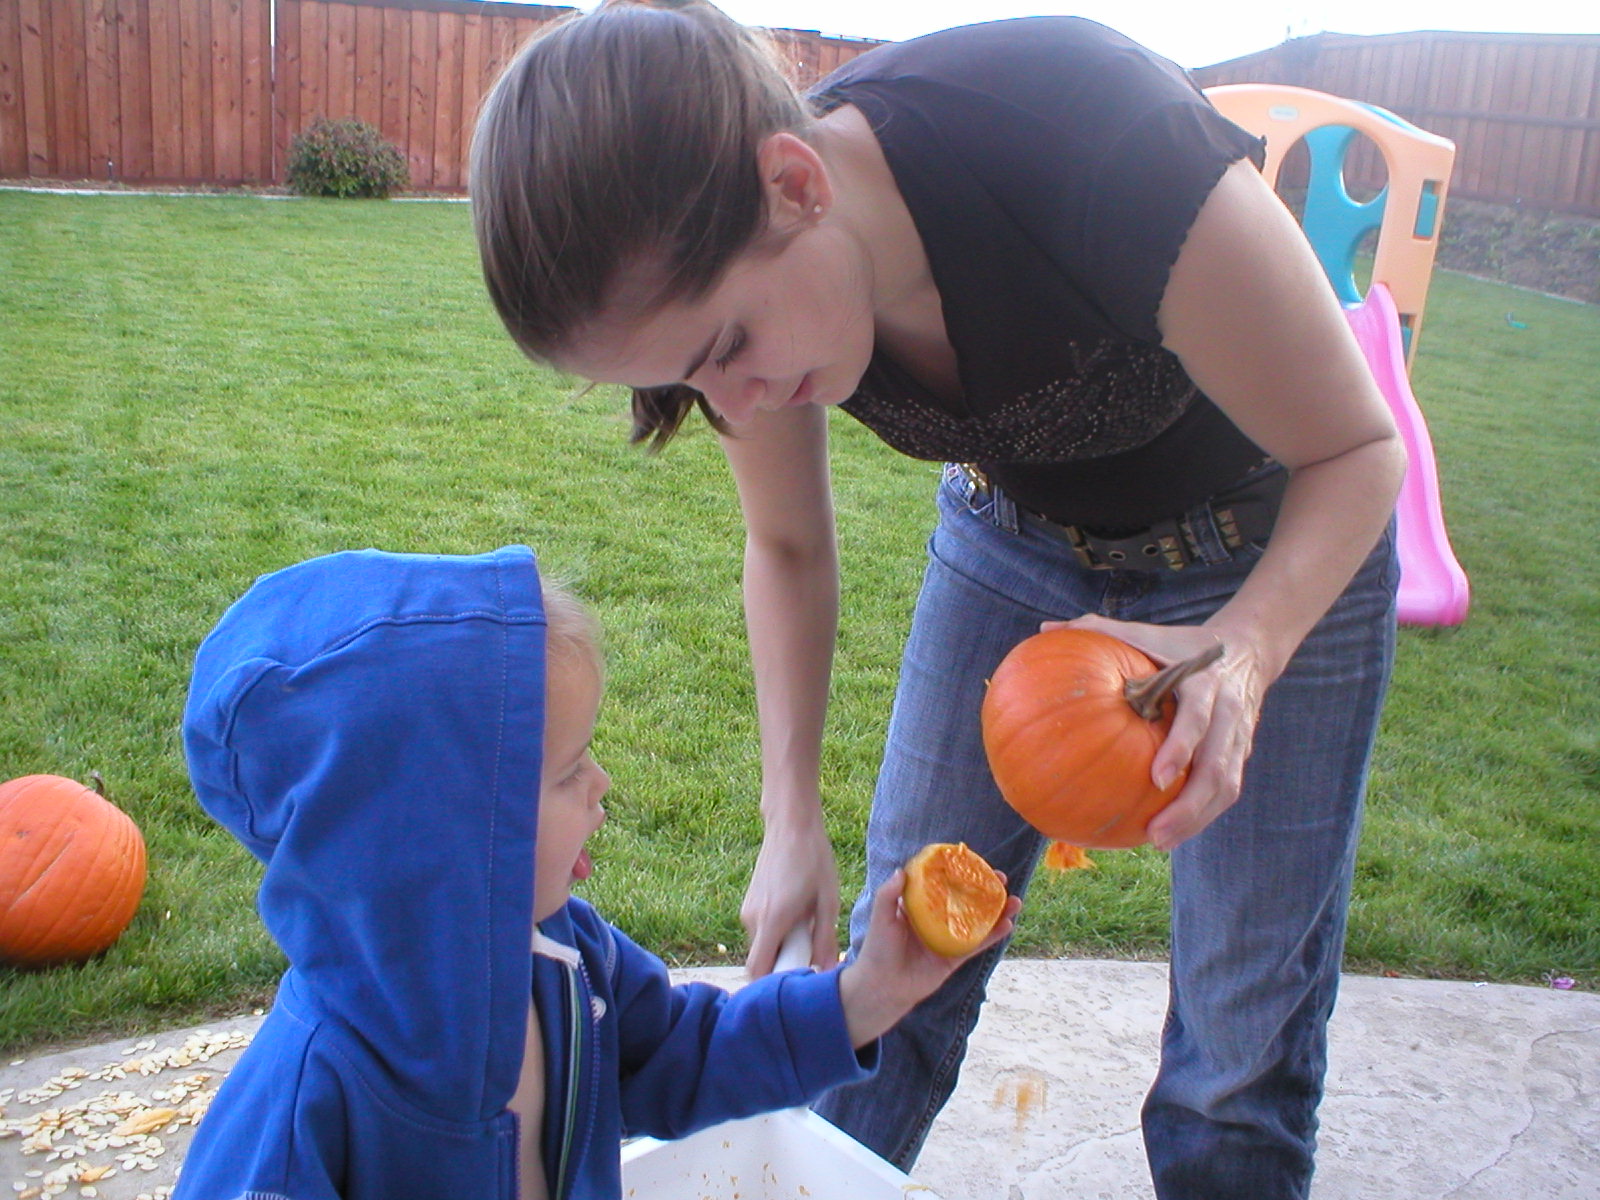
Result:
[
  {"x": 72, "y": 871},
  {"x": 1072, "y": 721}
]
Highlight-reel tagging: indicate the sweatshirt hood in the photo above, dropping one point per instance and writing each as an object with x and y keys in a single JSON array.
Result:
[{"x": 370, "y": 726}]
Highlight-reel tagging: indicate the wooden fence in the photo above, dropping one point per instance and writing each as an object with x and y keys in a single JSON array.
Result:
[
  {"x": 414, "y": 70},
  {"x": 202, "y": 92},
  {"x": 1522, "y": 109},
  {"x": 136, "y": 89}
]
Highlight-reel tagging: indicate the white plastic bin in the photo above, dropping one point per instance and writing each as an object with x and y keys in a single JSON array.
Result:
[{"x": 788, "y": 1155}]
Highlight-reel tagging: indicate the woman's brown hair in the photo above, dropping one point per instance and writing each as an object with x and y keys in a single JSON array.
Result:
[{"x": 618, "y": 149}]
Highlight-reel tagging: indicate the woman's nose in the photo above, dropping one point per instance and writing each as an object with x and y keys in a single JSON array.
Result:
[{"x": 736, "y": 399}]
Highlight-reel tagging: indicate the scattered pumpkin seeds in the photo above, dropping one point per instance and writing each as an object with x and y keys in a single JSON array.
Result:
[{"x": 85, "y": 1139}]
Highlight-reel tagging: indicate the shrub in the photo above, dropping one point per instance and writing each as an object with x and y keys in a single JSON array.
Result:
[{"x": 345, "y": 158}]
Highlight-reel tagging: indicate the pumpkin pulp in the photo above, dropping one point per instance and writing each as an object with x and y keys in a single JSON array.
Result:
[{"x": 952, "y": 897}]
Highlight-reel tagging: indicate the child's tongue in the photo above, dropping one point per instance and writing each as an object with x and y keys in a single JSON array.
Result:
[{"x": 584, "y": 867}]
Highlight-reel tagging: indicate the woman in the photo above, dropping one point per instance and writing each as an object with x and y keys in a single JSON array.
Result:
[{"x": 1031, "y": 248}]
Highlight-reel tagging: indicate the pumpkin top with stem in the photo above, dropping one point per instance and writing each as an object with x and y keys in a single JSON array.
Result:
[
  {"x": 1146, "y": 695},
  {"x": 1072, "y": 721}
]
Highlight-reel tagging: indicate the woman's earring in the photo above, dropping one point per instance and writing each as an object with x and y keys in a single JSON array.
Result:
[{"x": 816, "y": 210}]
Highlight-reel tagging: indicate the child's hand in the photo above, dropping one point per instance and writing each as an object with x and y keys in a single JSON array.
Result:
[{"x": 895, "y": 971}]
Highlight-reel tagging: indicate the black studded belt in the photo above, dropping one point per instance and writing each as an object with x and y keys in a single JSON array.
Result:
[{"x": 1239, "y": 516}]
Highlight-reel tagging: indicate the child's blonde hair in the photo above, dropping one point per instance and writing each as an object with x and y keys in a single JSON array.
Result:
[{"x": 571, "y": 628}]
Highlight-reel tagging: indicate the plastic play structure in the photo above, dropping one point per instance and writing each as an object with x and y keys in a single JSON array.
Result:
[{"x": 1388, "y": 320}]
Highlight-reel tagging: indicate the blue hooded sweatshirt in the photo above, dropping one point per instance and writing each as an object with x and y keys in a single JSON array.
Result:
[{"x": 370, "y": 726}]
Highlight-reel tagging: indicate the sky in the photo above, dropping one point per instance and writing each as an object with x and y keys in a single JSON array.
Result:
[{"x": 1190, "y": 33}]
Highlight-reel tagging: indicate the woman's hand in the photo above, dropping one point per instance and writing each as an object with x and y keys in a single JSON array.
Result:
[
  {"x": 795, "y": 882},
  {"x": 894, "y": 971},
  {"x": 791, "y": 603},
  {"x": 1214, "y": 730}
]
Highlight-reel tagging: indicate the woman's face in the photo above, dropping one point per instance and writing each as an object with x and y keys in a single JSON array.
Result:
[{"x": 780, "y": 330}]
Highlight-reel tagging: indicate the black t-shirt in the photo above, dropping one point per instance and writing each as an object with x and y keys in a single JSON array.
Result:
[{"x": 1053, "y": 169}]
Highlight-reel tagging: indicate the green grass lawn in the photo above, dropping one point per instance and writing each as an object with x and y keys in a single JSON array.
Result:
[{"x": 194, "y": 391}]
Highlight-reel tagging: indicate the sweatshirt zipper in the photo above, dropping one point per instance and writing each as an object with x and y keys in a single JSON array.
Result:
[{"x": 569, "y": 1123}]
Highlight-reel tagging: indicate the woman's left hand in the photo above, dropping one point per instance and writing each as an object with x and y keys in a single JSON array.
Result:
[{"x": 1214, "y": 729}]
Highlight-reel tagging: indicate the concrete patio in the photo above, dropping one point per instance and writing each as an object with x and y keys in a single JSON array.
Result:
[{"x": 1460, "y": 1090}]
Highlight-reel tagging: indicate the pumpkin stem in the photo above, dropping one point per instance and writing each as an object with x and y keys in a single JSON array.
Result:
[
  {"x": 1146, "y": 695},
  {"x": 98, "y": 781}
]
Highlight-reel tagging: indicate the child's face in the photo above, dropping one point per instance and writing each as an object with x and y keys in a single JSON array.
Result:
[{"x": 572, "y": 784}]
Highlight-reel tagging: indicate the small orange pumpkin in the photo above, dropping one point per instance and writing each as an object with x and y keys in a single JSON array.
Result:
[
  {"x": 1072, "y": 721},
  {"x": 72, "y": 871},
  {"x": 952, "y": 897}
]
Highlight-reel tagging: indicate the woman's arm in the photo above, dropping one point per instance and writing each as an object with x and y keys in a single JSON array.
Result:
[
  {"x": 791, "y": 598},
  {"x": 1250, "y": 314}
]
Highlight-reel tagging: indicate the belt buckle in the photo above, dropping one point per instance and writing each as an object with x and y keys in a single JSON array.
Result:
[
  {"x": 1168, "y": 538},
  {"x": 1175, "y": 548},
  {"x": 974, "y": 475},
  {"x": 1228, "y": 527},
  {"x": 1173, "y": 541},
  {"x": 1081, "y": 548}
]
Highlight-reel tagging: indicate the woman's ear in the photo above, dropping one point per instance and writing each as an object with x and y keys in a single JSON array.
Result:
[{"x": 794, "y": 181}]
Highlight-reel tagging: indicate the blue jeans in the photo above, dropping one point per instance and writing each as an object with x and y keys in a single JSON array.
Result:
[{"x": 1258, "y": 899}]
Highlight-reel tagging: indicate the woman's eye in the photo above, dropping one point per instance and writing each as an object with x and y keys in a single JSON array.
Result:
[{"x": 731, "y": 352}]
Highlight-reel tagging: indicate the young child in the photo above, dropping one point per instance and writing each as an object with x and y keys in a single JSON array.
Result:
[{"x": 403, "y": 741}]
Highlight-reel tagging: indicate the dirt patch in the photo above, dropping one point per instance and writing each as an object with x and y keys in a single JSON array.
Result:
[{"x": 1549, "y": 253}]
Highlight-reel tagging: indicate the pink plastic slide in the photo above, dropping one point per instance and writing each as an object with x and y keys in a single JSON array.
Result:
[{"x": 1433, "y": 587}]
